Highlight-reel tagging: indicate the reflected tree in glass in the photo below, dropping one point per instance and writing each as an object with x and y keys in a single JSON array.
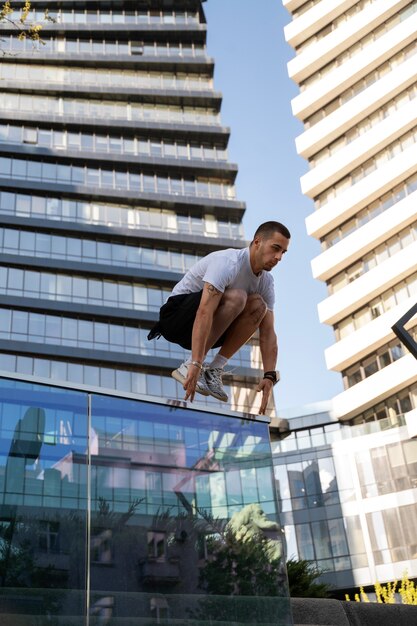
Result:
[{"x": 243, "y": 558}]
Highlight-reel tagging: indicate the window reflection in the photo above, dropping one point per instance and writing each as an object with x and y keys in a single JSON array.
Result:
[
  {"x": 108, "y": 109},
  {"x": 67, "y": 45},
  {"x": 158, "y": 484},
  {"x": 110, "y": 144},
  {"x": 78, "y": 289},
  {"x": 43, "y": 435},
  {"x": 105, "y": 78},
  {"x": 307, "y": 484},
  {"x": 391, "y": 540},
  {"x": 102, "y": 375},
  {"x": 131, "y": 217},
  {"x": 77, "y": 16},
  {"x": 196, "y": 186}
]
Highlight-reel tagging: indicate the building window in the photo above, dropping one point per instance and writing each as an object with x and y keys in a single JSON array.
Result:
[
  {"x": 30, "y": 135},
  {"x": 156, "y": 545},
  {"x": 102, "y": 546},
  {"x": 49, "y": 537}
]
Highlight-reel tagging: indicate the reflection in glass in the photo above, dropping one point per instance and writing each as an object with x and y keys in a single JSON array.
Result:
[
  {"x": 43, "y": 439},
  {"x": 172, "y": 489},
  {"x": 161, "y": 497}
]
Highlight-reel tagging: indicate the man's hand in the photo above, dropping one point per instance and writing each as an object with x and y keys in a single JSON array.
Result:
[
  {"x": 190, "y": 382},
  {"x": 265, "y": 386}
]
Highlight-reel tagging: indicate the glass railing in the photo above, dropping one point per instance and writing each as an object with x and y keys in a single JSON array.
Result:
[
  {"x": 98, "y": 47},
  {"x": 63, "y": 287},
  {"x": 374, "y": 427},
  {"x": 109, "y": 18},
  {"x": 141, "y": 146},
  {"x": 51, "y": 74},
  {"x": 113, "y": 507},
  {"x": 42, "y": 245},
  {"x": 124, "y": 216},
  {"x": 61, "y": 330},
  {"x": 330, "y": 433},
  {"x": 123, "y": 180},
  {"x": 107, "y": 109}
]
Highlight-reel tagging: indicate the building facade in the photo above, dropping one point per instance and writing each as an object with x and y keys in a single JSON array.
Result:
[
  {"x": 348, "y": 496},
  {"x": 114, "y": 181},
  {"x": 355, "y": 66}
]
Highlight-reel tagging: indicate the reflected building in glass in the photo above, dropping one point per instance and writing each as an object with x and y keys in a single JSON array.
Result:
[
  {"x": 113, "y": 508},
  {"x": 115, "y": 179}
]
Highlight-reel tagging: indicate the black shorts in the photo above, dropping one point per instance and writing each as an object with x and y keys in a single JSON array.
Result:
[{"x": 176, "y": 319}]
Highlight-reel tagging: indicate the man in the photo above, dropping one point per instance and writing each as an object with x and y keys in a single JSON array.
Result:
[{"x": 220, "y": 302}]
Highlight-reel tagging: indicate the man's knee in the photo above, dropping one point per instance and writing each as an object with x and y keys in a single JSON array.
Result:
[
  {"x": 235, "y": 299},
  {"x": 256, "y": 307}
]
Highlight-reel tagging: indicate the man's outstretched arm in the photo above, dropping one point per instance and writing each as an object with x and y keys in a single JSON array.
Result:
[{"x": 269, "y": 352}]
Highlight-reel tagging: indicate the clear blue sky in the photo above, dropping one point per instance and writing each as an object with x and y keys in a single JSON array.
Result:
[{"x": 246, "y": 40}]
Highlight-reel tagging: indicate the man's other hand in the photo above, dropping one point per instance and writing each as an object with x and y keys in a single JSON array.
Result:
[
  {"x": 265, "y": 386},
  {"x": 190, "y": 382}
]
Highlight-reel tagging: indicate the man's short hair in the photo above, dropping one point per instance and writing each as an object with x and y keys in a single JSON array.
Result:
[{"x": 267, "y": 229}]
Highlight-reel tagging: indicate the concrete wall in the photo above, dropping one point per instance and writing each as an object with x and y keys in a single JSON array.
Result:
[{"x": 318, "y": 612}]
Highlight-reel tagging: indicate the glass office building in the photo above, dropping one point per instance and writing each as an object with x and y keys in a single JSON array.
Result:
[
  {"x": 348, "y": 495},
  {"x": 114, "y": 180},
  {"x": 117, "y": 509}
]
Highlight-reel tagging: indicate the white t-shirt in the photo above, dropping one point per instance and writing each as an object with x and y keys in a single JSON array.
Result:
[{"x": 227, "y": 269}]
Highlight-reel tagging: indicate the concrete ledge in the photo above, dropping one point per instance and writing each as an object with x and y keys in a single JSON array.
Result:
[
  {"x": 318, "y": 612},
  {"x": 321, "y": 612},
  {"x": 369, "y": 614}
]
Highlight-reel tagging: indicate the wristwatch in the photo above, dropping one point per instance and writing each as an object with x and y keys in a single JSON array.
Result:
[{"x": 272, "y": 375}]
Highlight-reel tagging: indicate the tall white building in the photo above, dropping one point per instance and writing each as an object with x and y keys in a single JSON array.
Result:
[{"x": 356, "y": 66}]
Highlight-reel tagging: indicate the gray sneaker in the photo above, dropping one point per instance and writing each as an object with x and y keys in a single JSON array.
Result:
[
  {"x": 213, "y": 379},
  {"x": 180, "y": 374}
]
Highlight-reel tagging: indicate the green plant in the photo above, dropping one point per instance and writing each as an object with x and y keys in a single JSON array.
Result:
[
  {"x": 302, "y": 580},
  {"x": 388, "y": 594}
]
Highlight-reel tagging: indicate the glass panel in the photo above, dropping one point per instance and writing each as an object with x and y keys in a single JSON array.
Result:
[
  {"x": 43, "y": 438},
  {"x": 321, "y": 539},
  {"x": 283, "y": 487},
  {"x": 304, "y": 541},
  {"x": 355, "y": 535},
  {"x": 338, "y": 537},
  {"x": 297, "y": 485},
  {"x": 328, "y": 480},
  {"x": 166, "y": 483}
]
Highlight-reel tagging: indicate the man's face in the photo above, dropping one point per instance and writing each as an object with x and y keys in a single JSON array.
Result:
[{"x": 269, "y": 251}]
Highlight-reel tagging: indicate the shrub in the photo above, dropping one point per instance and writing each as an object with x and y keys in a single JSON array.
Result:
[{"x": 388, "y": 594}]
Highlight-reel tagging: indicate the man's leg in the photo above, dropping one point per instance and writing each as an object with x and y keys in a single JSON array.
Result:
[
  {"x": 232, "y": 304},
  {"x": 237, "y": 334},
  {"x": 176, "y": 319},
  {"x": 243, "y": 327}
]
